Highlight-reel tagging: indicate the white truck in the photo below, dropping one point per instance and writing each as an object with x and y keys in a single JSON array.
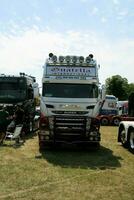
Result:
[
  {"x": 110, "y": 105},
  {"x": 71, "y": 100}
]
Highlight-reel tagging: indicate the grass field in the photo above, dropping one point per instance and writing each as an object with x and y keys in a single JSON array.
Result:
[{"x": 67, "y": 174}]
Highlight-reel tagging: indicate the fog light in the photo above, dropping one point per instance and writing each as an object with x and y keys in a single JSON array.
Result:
[
  {"x": 91, "y": 138},
  {"x": 96, "y": 138}
]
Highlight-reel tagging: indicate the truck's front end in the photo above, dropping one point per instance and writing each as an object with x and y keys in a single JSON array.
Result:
[{"x": 70, "y": 101}]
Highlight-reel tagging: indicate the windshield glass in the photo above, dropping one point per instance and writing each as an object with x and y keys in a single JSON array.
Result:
[
  {"x": 12, "y": 91},
  {"x": 63, "y": 90}
]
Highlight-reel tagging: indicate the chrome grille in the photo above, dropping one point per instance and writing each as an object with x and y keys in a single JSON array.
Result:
[{"x": 69, "y": 127}]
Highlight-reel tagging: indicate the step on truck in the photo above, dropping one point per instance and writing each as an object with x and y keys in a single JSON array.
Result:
[{"x": 71, "y": 100}]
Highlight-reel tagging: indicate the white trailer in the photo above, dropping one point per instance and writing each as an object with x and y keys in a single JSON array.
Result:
[{"x": 126, "y": 134}]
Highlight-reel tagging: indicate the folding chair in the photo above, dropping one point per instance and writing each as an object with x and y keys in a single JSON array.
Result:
[{"x": 16, "y": 134}]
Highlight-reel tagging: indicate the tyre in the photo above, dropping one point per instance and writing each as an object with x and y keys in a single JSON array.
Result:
[
  {"x": 104, "y": 121},
  {"x": 131, "y": 141},
  {"x": 123, "y": 138},
  {"x": 116, "y": 121}
]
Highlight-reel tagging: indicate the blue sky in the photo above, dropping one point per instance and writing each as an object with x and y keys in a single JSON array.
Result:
[{"x": 30, "y": 29}]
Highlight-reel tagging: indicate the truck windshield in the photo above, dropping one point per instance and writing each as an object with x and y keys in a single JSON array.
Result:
[
  {"x": 12, "y": 90},
  {"x": 63, "y": 90}
]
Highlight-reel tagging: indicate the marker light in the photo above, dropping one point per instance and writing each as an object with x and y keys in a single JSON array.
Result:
[
  {"x": 61, "y": 58},
  {"x": 81, "y": 59},
  {"x": 67, "y": 58},
  {"x": 74, "y": 59}
]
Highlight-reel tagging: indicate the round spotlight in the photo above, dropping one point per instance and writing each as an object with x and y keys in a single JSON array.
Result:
[
  {"x": 88, "y": 59},
  {"x": 74, "y": 59},
  {"x": 50, "y": 55},
  {"x": 67, "y": 58},
  {"x": 61, "y": 58},
  {"x": 81, "y": 59},
  {"x": 54, "y": 58}
]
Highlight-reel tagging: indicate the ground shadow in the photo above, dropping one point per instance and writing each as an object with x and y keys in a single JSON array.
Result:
[{"x": 102, "y": 158}]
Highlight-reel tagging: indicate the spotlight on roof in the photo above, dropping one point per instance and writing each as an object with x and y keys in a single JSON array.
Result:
[
  {"x": 67, "y": 58},
  {"x": 91, "y": 55},
  {"x": 88, "y": 59},
  {"x": 61, "y": 58},
  {"x": 74, "y": 59},
  {"x": 81, "y": 59},
  {"x": 50, "y": 55},
  {"x": 54, "y": 58}
]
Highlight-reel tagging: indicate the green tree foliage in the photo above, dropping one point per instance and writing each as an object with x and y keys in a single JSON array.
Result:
[
  {"x": 117, "y": 86},
  {"x": 130, "y": 88}
]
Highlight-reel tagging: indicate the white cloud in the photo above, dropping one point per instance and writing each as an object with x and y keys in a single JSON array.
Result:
[
  {"x": 116, "y": 2},
  {"x": 28, "y": 51},
  {"x": 122, "y": 15},
  {"x": 103, "y": 19},
  {"x": 37, "y": 18},
  {"x": 59, "y": 10},
  {"x": 94, "y": 11},
  {"x": 83, "y": 1}
]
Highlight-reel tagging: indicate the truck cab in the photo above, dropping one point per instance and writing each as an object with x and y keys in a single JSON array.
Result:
[
  {"x": 18, "y": 90},
  {"x": 70, "y": 101}
]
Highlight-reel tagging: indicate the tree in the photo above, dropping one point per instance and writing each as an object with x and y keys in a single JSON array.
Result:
[
  {"x": 130, "y": 88},
  {"x": 117, "y": 86}
]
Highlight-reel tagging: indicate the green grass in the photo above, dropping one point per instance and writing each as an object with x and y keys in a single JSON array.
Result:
[{"x": 67, "y": 174}]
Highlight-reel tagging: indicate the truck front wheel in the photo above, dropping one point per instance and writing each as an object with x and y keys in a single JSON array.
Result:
[
  {"x": 131, "y": 141},
  {"x": 116, "y": 121},
  {"x": 104, "y": 121}
]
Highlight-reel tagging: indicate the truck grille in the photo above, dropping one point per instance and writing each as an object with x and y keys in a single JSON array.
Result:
[
  {"x": 69, "y": 112},
  {"x": 69, "y": 127}
]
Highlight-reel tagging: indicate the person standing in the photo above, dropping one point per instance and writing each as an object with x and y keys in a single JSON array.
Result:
[{"x": 4, "y": 120}]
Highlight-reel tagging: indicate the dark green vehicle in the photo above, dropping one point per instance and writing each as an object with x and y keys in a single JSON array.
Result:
[{"x": 18, "y": 90}]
